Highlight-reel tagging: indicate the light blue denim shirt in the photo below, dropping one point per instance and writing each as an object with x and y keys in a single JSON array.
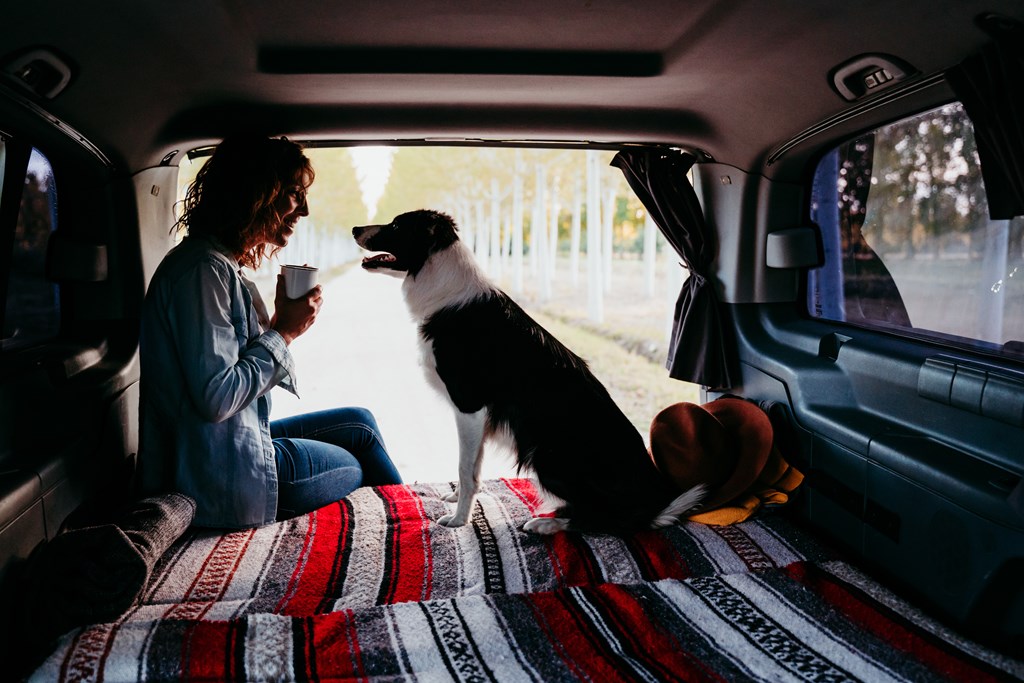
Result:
[{"x": 208, "y": 365}]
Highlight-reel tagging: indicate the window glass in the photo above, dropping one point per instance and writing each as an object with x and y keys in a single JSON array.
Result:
[
  {"x": 908, "y": 243},
  {"x": 33, "y": 310}
]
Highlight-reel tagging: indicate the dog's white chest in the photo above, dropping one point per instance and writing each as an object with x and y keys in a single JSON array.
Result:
[{"x": 430, "y": 367}]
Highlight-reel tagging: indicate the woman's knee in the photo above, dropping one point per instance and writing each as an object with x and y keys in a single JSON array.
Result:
[
  {"x": 302, "y": 459},
  {"x": 309, "y": 425},
  {"x": 353, "y": 427},
  {"x": 363, "y": 415}
]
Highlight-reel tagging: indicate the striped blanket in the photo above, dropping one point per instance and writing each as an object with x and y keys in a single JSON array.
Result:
[{"x": 371, "y": 588}]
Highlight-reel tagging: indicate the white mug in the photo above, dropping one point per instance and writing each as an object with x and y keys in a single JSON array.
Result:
[{"x": 298, "y": 280}]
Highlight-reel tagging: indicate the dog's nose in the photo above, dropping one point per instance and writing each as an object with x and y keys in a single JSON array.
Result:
[{"x": 364, "y": 232}]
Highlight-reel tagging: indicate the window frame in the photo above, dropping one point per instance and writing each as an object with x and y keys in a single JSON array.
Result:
[{"x": 15, "y": 167}]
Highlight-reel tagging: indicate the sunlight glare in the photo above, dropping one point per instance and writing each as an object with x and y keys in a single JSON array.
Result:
[{"x": 373, "y": 166}]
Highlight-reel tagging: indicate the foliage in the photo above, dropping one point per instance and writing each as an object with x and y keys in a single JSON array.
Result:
[
  {"x": 926, "y": 186},
  {"x": 335, "y": 199},
  {"x": 457, "y": 179},
  {"x": 423, "y": 177}
]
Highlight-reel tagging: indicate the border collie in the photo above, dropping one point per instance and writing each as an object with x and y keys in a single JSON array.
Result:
[{"x": 507, "y": 376}]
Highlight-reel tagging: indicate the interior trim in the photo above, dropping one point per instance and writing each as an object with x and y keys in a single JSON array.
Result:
[
  {"x": 371, "y": 60},
  {"x": 882, "y": 99},
  {"x": 56, "y": 123}
]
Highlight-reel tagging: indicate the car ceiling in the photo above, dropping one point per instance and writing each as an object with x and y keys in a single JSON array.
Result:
[{"x": 730, "y": 78}]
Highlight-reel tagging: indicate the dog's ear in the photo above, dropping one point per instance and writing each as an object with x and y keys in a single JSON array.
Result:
[
  {"x": 441, "y": 223},
  {"x": 442, "y": 231}
]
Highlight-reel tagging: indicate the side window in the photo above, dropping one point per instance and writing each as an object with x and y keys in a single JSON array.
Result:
[
  {"x": 909, "y": 246},
  {"x": 32, "y": 311}
]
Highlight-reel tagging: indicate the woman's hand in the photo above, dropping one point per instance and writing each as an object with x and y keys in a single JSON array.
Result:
[{"x": 292, "y": 317}]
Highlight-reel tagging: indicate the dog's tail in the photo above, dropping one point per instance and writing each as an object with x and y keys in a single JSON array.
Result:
[{"x": 681, "y": 505}]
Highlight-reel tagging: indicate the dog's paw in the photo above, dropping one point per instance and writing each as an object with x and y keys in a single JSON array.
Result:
[
  {"x": 452, "y": 497},
  {"x": 546, "y": 526},
  {"x": 450, "y": 521}
]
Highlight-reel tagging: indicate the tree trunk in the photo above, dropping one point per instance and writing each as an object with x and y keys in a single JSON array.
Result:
[
  {"x": 555, "y": 208},
  {"x": 495, "y": 226},
  {"x": 608, "y": 232},
  {"x": 506, "y": 244},
  {"x": 595, "y": 290},
  {"x": 536, "y": 221},
  {"x": 539, "y": 237},
  {"x": 483, "y": 234},
  {"x": 574, "y": 237},
  {"x": 517, "y": 226}
]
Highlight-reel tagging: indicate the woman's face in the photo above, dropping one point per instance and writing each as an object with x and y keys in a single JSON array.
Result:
[{"x": 291, "y": 206}]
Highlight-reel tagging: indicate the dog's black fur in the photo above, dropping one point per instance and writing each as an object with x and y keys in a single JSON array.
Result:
[{"x": 497, "y": 363}]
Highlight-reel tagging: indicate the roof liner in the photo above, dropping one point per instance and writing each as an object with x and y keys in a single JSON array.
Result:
[{"x": 732, "y": 78}]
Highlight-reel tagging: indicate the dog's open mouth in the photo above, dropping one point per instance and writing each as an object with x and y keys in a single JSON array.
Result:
[{"x": 381, "y": 260}]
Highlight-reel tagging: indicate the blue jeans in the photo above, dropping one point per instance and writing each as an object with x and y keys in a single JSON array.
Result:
[{"x": 324, "y": 456}]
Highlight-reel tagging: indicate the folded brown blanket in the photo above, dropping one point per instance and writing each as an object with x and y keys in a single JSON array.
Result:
[{"x": 94, "y": 574}]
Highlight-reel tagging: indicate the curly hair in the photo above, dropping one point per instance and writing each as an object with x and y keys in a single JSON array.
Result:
[{"x": 232, "y": 198}]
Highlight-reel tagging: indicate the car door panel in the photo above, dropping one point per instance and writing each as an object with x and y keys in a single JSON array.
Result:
[{"x": 926, "y": 491}]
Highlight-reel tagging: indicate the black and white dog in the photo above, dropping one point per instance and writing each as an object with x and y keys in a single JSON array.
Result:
[{"x": 507, "y": 376}]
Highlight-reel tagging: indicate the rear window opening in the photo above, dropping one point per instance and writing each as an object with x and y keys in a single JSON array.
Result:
[{"x": 605, "y": 287}]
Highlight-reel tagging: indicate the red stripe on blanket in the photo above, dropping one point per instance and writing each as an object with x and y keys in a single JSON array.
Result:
[
  {"x": 659, "y": 651},
  {"x": 890, "y": 627},
  {"x": 315, "y": 569},
  {"x": 526, "y": 491},
  {"x": 300, "y": 563},
  {"x": 656, "y": 557},
  {"x": 339, "y": 570},
  {"x": 206, "y": 650},
  {"x": 334, "y": 641},
  {"x": 234, "y": 653},
  {"x": 409, "y": 564},
  {"x": 572, "y": 639},
  {"x": 572, "y": 561},
  {"x": 304, "y": 657}
]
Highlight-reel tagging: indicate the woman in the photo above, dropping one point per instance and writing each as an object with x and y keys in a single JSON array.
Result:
[{"x": 211, "y": 353}]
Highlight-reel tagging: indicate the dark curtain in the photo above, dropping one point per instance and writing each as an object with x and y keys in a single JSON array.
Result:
[
  {"x": 990, "y": 84},
  {"x": 701, "y": 349}
]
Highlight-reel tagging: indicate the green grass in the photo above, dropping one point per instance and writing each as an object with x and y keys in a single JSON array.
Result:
[{"x": 639, "y": 387}]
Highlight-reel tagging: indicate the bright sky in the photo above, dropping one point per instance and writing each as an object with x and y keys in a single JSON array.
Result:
[{"x": 373, "y": 165}]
